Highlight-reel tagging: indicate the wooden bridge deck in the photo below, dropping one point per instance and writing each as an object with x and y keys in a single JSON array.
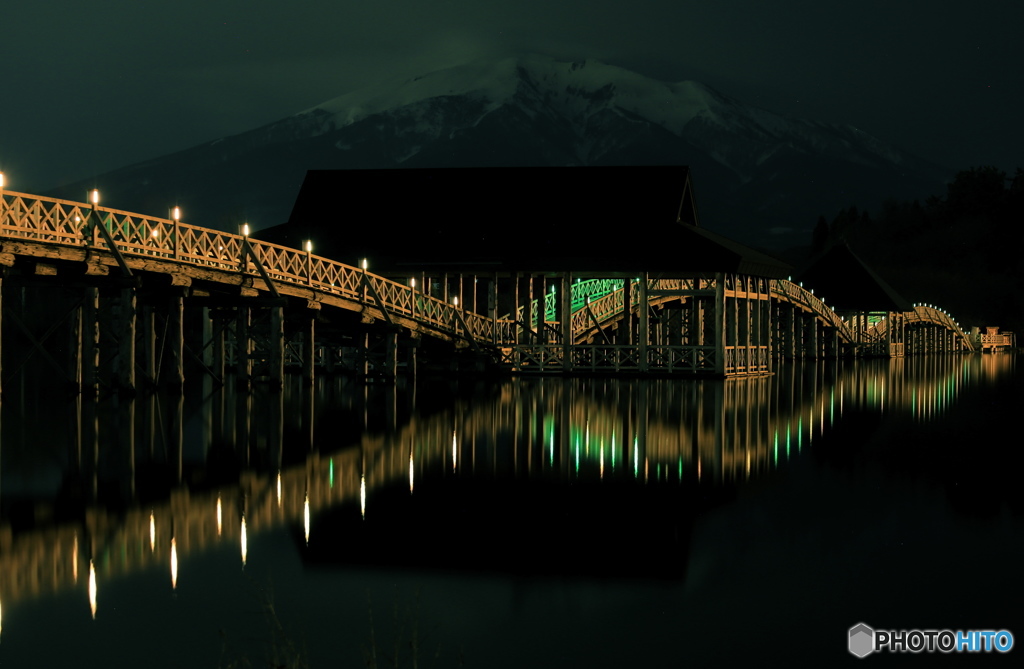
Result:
[{"x": 725, "y": 324}]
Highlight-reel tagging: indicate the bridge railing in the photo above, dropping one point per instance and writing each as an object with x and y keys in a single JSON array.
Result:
[
  {"x": 928, "y": 314},
  {"x": 69, "y": 223},
  {"x": 795, "y": 294}
]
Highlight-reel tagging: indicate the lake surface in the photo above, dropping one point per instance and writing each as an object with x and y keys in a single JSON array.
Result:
[{"x": 515, "y": 523}]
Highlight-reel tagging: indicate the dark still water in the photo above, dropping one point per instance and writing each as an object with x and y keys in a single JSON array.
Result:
[{"x": 530, "y": 523}]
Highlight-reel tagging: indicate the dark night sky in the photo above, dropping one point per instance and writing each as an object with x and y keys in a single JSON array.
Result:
[{"x": 88, "y": 87}]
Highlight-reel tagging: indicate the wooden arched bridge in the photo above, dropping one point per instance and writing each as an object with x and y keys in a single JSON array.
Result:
[{"x": 265, "y": 305}]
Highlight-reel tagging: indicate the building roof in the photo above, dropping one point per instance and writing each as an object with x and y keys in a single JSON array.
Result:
[
  {"x": 849, "y": 284},
  {"x": 585, "y": 219}
]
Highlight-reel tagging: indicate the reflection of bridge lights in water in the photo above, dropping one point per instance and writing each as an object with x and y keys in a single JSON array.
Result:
[
  {"x": 411, "y": 471},
  {"x": 279, "y": 489},
  {"x": 455, "y": 450},
  {"x": 174, "y": 564},
  {"x": 92, "y": 588},
  {"x": 220, "y": 517},
  {"x": 74, "y": 559},
  {"x": 305, "y": 513},
  {"x": 245, "y": 548},
  {"x": 362, "y": 496},
  {"x": 152, "y": 531}
]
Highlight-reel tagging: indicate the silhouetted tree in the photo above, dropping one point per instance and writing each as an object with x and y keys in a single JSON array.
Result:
[{"x": 978, "y": 191}]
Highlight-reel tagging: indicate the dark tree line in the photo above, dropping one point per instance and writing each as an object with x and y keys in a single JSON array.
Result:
[
  {"x": 985, "y": 197},
  {"x": 962, "y": 250}
]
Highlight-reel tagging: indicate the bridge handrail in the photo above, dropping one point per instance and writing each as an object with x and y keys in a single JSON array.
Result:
[
  {"x": 69, "y": 223},
  {"x": 924, "y": 313},
  {"x": 796, "y": 294}
]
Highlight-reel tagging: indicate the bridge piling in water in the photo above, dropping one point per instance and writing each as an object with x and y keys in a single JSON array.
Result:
[{"x": 149, "y": 288}]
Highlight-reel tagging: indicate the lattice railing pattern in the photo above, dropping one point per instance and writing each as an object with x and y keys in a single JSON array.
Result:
[
  {"x": 69, "y": 223},
  {"x": 929, "y": 314},
  {"x": 795, "y": 294}
]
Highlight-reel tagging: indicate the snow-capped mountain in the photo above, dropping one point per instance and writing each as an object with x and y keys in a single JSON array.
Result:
[{"x": 757, "y": 174}]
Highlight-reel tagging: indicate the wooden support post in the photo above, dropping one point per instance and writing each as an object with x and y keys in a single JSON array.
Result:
[
  {"x": 390, "y": 354},
  {"x": 75, "y": 346},
  {"x": 528, "y": 310},
  {"x": 626, "y": 324},
  {"x": 243, "y": 361},
  {"x": 363, "y": 357},
  {"x": 124, "y": 361},
  {"x": 542, "y": 310},
  {"x": 309, "y": 348},
  {"x": 565, "y": 319},
  {"x": 788, "y": 330},
  {"x": 276, "y": 343},
  {"x": 719, "y": 324},
  {"x": 492, "y": 307},
  {"x": 217, "y": 346},
  {"x": 175, "y": 344},
  {"x": 516, "y": 330},
  {"x": 410, "y": 358},
  {"x": 149, "y": 351},
  {"x": 207, "y": 334},
  {"x": 643, "y": 335},
  {"x": 812, "y": 334},
  {"x": 91, "y": 341}
]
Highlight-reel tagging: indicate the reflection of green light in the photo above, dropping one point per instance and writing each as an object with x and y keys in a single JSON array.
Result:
[
  {"x": 613, "y": 451},
  {"x": 330, "y": 472},
  {"x": 636, "y": 458},
  {"x": 776, "y": 448},
  {"x": 549, "y": 430},
  {"x": 832, "y": 407},
  {"x": 680, "y": 468},
  {"x": 800, "y": 434}
]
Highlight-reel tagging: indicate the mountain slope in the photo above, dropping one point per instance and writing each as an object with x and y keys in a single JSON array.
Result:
[{"x": 759, "y": 176}]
